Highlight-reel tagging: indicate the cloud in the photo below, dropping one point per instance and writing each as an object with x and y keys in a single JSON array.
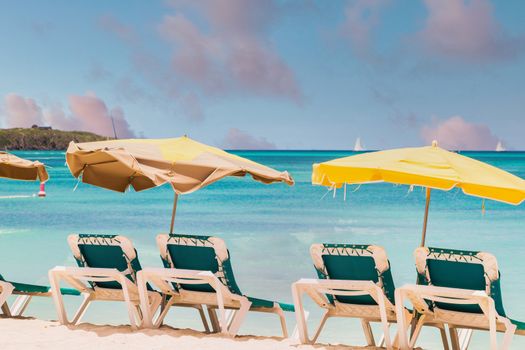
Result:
[
  {"x": 456, "y": 133},
  {"x": 113, "y": 25},
  {"x": 225, "y": 50},
  {"x": 467, "y": 30},
  {"x": 97, "y": 73},
  {"x": 92, "y": 114},
  {"x": 361, "y": 19},
  {"x": 21, "y": 112},
  {"x": 88, "y": 113},
  {"x": 238, "y": 139},
  {"x": 191, "y": 107}
]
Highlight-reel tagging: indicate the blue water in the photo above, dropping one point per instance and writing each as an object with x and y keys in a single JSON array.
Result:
[{"x": 268, "y": 229}]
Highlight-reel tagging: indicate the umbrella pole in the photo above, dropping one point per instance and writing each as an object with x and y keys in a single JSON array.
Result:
[
  {"x": 425, "y": 220},
  {"x": 174, "y": 211}
]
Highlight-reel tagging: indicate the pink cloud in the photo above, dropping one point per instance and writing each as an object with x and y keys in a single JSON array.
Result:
[
  {"x": 91, "y": 114},
  {"x": 361, "y": 18},
  {"x": 466, "y": 30},
  {"x": 226, "y": 49},
  {"x": 112, "y": 24},
  {"x": 456, "y": 133},
  {"x": 238, "y": 139},
  {"x": 88, "y": 113},
  {"x": 21, "y": 112}
]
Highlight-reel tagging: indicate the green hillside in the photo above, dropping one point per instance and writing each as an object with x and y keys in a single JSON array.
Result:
[{"x": 43, "y": 139}]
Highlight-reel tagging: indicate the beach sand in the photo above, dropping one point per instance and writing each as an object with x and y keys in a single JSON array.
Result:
[{"x": 30, "y": 333}]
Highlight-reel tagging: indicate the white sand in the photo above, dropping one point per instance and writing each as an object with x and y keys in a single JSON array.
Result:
[{"x": 28, "y": 333}]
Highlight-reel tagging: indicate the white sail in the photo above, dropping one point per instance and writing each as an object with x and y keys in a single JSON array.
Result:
[
  {"x": 500, "y": 147},
  {"x": 358, "y": 146}
]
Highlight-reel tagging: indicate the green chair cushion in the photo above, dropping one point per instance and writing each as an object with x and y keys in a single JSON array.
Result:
[
  {"x": 107, "y": 256},
  {"x": 256, "y": 302},
  {"x": 454, "y": 274},
  {"x": 32, "y": 288},
  {"x": 194, "y": 258},
  {"x": 359, "y": 268},
  {"x": 520, "y": 326},
  {"x": 203, "y": 258}
]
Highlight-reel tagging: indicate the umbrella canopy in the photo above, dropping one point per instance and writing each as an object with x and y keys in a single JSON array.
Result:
[
  {"x": 431, "y": 167},
  {"x": 185, "y": 164},
  {"x": 13, "y": 167}
]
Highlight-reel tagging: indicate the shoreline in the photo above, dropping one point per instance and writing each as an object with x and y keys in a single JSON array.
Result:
[{"x": 30, "y": 333}]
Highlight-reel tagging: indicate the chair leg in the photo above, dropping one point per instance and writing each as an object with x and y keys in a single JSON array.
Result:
[
  {"x": 295, "y": 332},
  {"x": 82, "y": 309},
  {"x": 164, "y": 311},
  {"x": 321, "y": 326},
  {"x": 239, "y": 317},
  {"x": 6, "y": 289},
  {"x": 213, "y": 320},
  {"x": 5, "y": 309},
  {"x": 58, "y": 299},
  {"x": 404, "y": 320},
  {"x": 203, "y": 318},
  {"x": 134, "y": 322},
  {"x": 369, "y": 335},
  {"x": 230, "y": 315},
  {"x": 444, "y": 339},
  {"x": 454, "y": 340},
  {"x": 465, "y": 336},
  {"x": 507, "y": 337},
  {"x": 416, "y": 331},
  {"x": 282, "y": 319},
  {"x": 300, "y": 315},
  {"x": 20, "y": 304}
]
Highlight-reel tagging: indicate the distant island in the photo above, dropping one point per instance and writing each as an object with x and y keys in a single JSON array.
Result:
[{"x": 43, "y": 138}]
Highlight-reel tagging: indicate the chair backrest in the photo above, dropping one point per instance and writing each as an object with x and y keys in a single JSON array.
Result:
[
  {"x": 354, "y": 262},
  {"x": 105, "y": 251},
  {"x": 462, "y": 269},
  {"x": 203, "y": 253}
]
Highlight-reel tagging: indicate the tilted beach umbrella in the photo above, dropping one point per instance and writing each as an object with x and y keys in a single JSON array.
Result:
[
  {"x": 185, "y": 164},
  {"x": 431, "y": 167},
  {"x": 16, "y": 168}
]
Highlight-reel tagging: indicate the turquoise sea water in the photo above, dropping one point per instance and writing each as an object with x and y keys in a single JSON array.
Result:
[{"x": 268, "y": 229}]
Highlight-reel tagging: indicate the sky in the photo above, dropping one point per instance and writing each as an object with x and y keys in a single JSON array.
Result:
[{"x": 269, "y": 74}]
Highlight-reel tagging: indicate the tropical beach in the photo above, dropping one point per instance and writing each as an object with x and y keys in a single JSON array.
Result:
[
  {"x": 312, "y": 215},
  {"x": 266, "y": 174}
]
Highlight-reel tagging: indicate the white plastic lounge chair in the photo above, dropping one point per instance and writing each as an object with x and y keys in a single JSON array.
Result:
[
  {"x": 25, "y": 293},
  {"x": 459, "y": 288},
  {"x": 198, "y": 270},
  {"x": 354, "y": 281},
  {"x": 107, "y": 271}
]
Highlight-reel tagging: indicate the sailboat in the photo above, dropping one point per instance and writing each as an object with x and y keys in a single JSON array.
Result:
[
  {"x": 358, "y": 146},
  {"x": 500, "y": 147}
]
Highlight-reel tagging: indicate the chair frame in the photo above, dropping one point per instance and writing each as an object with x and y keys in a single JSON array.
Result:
[
  {"x": 80, "y": 278},
  {"x": 384, "y": 312},
  {"x": 221, "y": 299},
  {"x": 420, "y": 296},
  {"x": 18, "y": 307}
]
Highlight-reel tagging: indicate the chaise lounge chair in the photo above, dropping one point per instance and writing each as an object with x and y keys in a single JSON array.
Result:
[
  {"x": 459, "y": 288},
  {"x": 354, "y": 281},
  {"x": 198, "y": 270},
  {"x": 25, "y": 293},
  {"x": 107, "y": 270}
]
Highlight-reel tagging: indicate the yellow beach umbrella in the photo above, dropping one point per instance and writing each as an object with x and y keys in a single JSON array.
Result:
[
  {"x": 16, "y": 168},
  {"x": 185, "y": 164},
  {"x": 431, "y": 167}
]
